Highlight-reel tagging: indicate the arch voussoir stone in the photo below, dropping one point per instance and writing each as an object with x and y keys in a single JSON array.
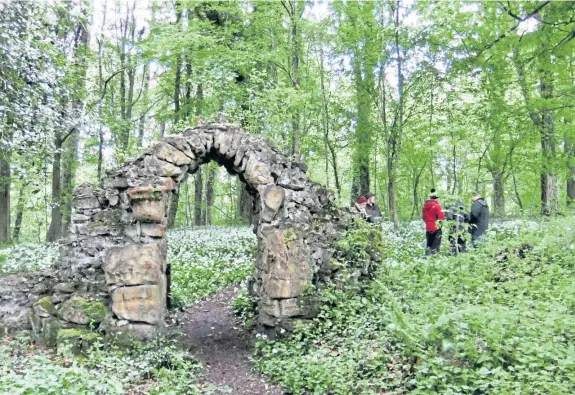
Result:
[{"x": 115, "y": 253}]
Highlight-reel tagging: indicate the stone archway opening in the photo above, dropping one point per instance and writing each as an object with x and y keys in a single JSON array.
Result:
[
  {"x": 123, "y": 227},
  {"x": 112, "y": 273}
]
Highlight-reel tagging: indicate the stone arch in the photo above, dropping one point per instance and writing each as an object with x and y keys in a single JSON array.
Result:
[{"x": 116, "y": 250}]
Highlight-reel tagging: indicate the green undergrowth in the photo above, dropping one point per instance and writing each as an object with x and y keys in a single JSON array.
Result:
[
  {"x": 495, "y": 320},
  {"x": 156, "y": 367},
  {"x": 206, "y": 260}
]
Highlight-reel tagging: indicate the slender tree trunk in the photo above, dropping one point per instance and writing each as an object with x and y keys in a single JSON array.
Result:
[
  {"x": 70, "y": 151},
  {"x": 296, "y": 11},
  {"x": 210, "y": 193},
  {"x": 55, "y": 230},
  {"x": 393, "y": 162},
  {"x": 545, "y": 125},
  {"x": 142, "y": 125},
  {"x": 5, "y": 187},
  {"x": 19, "y": 213},
  {"x": 549, "y": 196},
  {"x": 198, "y": 198},
  {"x": 498, "y": 194}
]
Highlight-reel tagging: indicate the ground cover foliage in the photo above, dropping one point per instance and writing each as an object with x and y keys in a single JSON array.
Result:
[
  {"x": 497, "y": 320},
  {"x": 205, "y": 260},
  {"x": 158, "y": 367}
]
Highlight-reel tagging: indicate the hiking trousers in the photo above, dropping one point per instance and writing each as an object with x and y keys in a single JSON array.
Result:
[{"x": 433, "y": 241}]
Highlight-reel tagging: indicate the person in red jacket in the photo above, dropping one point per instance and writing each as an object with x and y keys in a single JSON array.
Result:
[{"x": 432, "y": 212}]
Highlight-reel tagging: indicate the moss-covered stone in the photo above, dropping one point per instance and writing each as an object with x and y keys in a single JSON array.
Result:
[
  {"x": 79, "y": 310},
  {"x": 76, "y": 340},
  {"x": 44, "y": 307}
]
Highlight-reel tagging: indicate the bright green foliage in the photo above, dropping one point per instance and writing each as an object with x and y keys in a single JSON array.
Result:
[{"x": 495, "y": 320}]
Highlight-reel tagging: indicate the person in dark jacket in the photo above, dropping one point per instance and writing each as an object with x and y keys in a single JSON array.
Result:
[
  {"x": 371, "y": 209},
  {"x": 432, "y": 213},
  {"x": 478, "y": 218},
  {"x": 457, "y": 241}
]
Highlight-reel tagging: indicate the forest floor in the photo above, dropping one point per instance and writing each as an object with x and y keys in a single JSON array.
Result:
[{"x": 212, "y": 334}]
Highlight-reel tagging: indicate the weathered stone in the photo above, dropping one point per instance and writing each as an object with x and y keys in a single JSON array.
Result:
[
  {"x": 47, "y": 331},
  {"x": 142, "y": 303},
  {"x": 86, "y": 203},
  {"x": 44, "y": 308},
  {"x": 272, "y": 198},
  {"x": 170, "y": 154},
  {"x": 149, "y": 210},
  {"x": 148, "y": 192},
  {"x": 153, "y": 230},
  {"x": 134, "y": 265},
  {"x": 152, "y": 166},
  {"x": 115, "y": 183},
  {"x": 257, "y": 173},
  {"x": 65, "y": 288},
  {"x": 180, "y": 143},
  {"x": 289, "y": 307},
  {"x": 124, "y": 333},
  {"x": 79, "y": 310},
  {"x": 286, "y": 267},
  {"x": 75, "y": 340}
]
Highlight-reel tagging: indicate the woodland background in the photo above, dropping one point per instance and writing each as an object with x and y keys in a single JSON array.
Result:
[{"x": 393, "y": 97}]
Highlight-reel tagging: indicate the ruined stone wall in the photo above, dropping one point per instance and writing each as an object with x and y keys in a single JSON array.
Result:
[{"x": 115, "y": 254}]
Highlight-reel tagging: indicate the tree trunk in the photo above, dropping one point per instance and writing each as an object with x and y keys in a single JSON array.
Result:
[
  {"x": 498, "y": 195},
  {"x": 5, "y": 186},
  {"x": 142, "y": 126},
  {"x": 198, "y": 198},
  {"x": 19, "y": 213},
  {"x": 397, "y": 133},
  {"x": 55, "y": 230},
  {"x": 70, "y": 152},
  {"x": 569, "y": 147},
  {"x": 295, "y": 16},
  {"x": 549, "y": 196},
  {"x": 211, "y": 176}
]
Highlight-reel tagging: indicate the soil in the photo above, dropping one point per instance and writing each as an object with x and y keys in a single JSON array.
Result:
[{"x": 224, "y": 347}]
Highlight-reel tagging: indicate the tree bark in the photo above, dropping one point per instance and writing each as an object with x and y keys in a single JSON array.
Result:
[
  {"x": 198, "y": 198},
  {"x": 55, "y": 230},
  {"x": 211, "y": 173},
  {"x": 5, "y": 187},
  {"x": 549, "y": 196},
  {"x": 19, "y": 213},
  {"x": 70, "y": 151},
  {"x": 142, "y": 125},
  {"x": 498, "y": 194},
  {"x": 397, "y": 132}
]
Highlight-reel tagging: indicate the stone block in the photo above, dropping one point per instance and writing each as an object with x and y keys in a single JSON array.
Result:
[
  {"x": 272, "y": 197},
  {"x": 286, "y": 268},
  {"x": 67, "y": 288},
  {"x": 134, "y": 264},
  {"x": 289, "y": 307},
  {"x": 152, "y": 166},
  {"x": 88, "y": 203},
  {"x": 170, "y": 154},
  {"x": 153, "y": 229},
  {"x": 149, "y": 210},
  {"x": 83, "y": 311},
  {"x": 142, "y": 303},
  {"x": 44, "y": 308}
]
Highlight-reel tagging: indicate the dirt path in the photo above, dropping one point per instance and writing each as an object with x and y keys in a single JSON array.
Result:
[{"x": 223, "y": 346}]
